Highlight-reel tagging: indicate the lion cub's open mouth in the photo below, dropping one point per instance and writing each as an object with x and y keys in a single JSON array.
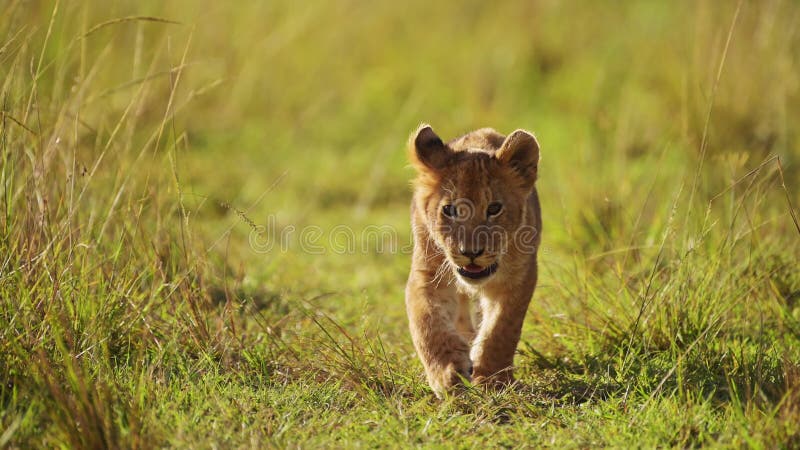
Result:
[{"x": 476, "y": 272}]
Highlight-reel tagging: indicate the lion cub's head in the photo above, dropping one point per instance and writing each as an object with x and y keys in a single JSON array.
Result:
[{"x": 473, "y": 196}]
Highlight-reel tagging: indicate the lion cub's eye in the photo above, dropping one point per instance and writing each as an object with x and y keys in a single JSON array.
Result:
[
  {"x": 494, "y": 209},
  {"x": 449, "y": 210}
]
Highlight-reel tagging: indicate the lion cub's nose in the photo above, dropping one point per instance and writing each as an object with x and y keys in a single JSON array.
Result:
[{"x": 471, "y": 254}]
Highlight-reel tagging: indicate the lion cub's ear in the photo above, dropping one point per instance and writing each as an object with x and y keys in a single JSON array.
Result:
[
  {"x": 521, "y": 151},
  {"x": 426, "y": 150}
]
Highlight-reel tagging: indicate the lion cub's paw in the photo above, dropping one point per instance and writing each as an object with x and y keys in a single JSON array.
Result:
[
  {"x": 493, "y": 380},
  {"x": 451, "y": 377}
]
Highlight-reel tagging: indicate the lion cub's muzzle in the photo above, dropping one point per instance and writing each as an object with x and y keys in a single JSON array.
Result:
[
  {"x": 474, "y": 260},
  {"x": 474, "y": 265}
]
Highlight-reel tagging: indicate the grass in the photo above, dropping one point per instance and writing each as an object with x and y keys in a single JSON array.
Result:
[{"x": 152, "y": 152}]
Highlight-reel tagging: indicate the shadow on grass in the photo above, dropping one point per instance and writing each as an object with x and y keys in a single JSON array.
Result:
[{"x": 748, "y": 372}]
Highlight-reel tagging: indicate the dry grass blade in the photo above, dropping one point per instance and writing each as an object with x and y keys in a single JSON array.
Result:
[
  {"x": 5, "y": 115},
  {"x": 102, "y": 25},
  {"x": 707, "y": 123},
  {"x": 788, "y": 199}
]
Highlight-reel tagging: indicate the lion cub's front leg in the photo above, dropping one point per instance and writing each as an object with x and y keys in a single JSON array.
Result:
[
  {"x": 493, "y": 349},
  {"x": 432, "y": 314}
]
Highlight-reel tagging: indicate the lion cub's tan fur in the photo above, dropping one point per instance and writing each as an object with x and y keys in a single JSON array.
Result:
[{"x": 474, "y": 171}]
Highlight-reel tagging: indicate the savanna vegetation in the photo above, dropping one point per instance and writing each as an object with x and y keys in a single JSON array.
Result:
[{"x": 204, "y": 225}]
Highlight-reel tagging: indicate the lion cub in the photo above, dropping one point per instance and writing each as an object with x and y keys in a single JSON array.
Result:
[{"x": 476, "y": 221}]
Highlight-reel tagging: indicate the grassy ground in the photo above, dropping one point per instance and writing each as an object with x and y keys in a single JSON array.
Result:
[{"x": 150, "y": 168}]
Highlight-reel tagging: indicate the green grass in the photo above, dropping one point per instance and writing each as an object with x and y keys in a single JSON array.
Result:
[{"x": 142, "y": 159}]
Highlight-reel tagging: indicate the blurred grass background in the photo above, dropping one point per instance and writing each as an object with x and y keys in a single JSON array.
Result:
[{"x": 145, "y": 143}]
